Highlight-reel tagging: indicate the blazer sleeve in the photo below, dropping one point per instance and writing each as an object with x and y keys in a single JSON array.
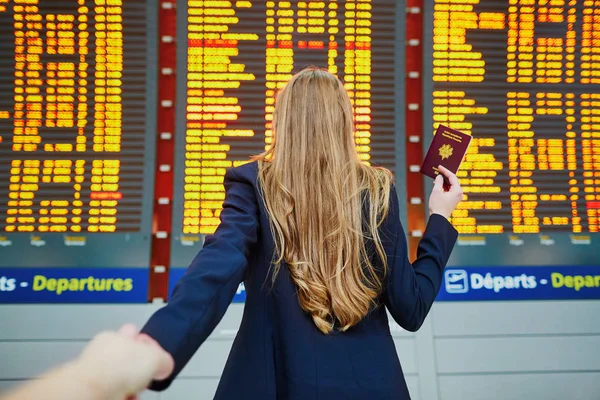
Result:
[
  {"x": 203, "y": 294},
  {"x": 410, "y": 290}
]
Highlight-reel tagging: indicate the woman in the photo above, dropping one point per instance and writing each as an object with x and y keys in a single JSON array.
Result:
[{"x": 315, "y": 236}]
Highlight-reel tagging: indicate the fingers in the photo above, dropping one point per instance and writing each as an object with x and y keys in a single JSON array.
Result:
[
  {"x": 165, "y": 366},
  {"x": 144, "y": 338},
  {"x": 452, "y": 179},
  {"x": 128, "y": 330},
  {"x": 438, "y": 184},
  {"x": 165, "y": 362},
  {"x": 125, "y": 361}
]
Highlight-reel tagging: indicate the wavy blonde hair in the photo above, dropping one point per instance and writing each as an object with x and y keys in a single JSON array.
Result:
[{"x": 314, "y": 187}]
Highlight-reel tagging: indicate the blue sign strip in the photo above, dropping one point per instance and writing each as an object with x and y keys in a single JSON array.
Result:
[
  {"x": 520, "y": 283},
  {"x": 498, "y": 283},
  {"x": 130, "y": 285},
  {"x": 73, "y": 285},
  {"x": 176, "y": 273}
]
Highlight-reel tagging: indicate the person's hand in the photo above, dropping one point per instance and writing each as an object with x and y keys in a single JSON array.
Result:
[
  {"x": 122, "y": 364},
  {"x": 440, "y": 201}
]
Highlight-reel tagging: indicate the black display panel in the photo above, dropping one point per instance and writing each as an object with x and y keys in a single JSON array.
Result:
[
  {"x": 523, "y": 76},
  {"x": 77, "y": 132},
  {"x": 232, "y": 58}
]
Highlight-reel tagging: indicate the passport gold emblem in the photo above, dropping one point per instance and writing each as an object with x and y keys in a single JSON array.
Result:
[{"x": 446, "y": 151}]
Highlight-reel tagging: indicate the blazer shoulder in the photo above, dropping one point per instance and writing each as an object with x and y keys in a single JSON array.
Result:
[{"x": 247, "y": 172}]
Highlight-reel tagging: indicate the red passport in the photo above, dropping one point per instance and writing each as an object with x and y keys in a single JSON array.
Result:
[{"x": 448, "y": 148}]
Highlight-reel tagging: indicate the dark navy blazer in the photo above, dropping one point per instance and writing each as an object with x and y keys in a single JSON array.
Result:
[{"x": 278, "y": 352}]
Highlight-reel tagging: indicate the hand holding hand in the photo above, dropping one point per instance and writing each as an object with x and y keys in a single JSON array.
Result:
[
  {"x": 440, "y": 201},
  {"x": 123, "y": 363}
]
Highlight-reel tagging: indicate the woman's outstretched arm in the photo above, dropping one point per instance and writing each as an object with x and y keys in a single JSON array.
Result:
[{"x": 202, "y": 296}]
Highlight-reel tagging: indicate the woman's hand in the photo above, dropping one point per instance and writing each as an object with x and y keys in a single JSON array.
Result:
[{"x": 440, "y": 201}]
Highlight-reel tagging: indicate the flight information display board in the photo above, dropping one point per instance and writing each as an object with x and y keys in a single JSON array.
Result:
[
  {"x": 77, "y": 131},
  {"x": 235, "y": 55},
  {"x": 523, "y": 77}
]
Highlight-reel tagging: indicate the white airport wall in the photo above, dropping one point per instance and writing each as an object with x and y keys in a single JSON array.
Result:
[{"x": 465, "y": 351}]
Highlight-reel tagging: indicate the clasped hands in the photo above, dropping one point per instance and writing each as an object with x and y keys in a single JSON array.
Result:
[{"x": 120, "y": 364}]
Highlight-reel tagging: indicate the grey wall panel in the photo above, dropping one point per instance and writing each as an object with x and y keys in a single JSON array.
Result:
[
  {"x": 80, "y": 322},
  {"x": 407, "y": 352},
  {"x": 191, "y": 389},
  {"x": 481, "y": 349},
  {"x": 580, "y": 386},
  {"x": 25, "y": 322},
  {"x": 29, "y": 359},
  {"x": 518, "y": 354},
  {"x": 228, "y": 327},
  {"x": 505, "y": 318},
  {"x": 209, "y": 360},
  {"x": 148, "y": 395},
  {"x": 428, "y": 386},
  {"x": 413, "y": 387}
]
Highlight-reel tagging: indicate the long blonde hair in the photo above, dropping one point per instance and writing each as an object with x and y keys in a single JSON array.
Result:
[{"x": 314, "y": 186}]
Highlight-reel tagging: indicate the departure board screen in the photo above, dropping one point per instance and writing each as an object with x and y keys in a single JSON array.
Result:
[
  {"x": 523, "y": 77},
  {"x": 77, "y": 110},
  {"x": 233, "y": 56}
]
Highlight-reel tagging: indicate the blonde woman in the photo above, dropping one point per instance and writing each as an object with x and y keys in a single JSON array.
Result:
[{"x": 315, "y": 235}]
